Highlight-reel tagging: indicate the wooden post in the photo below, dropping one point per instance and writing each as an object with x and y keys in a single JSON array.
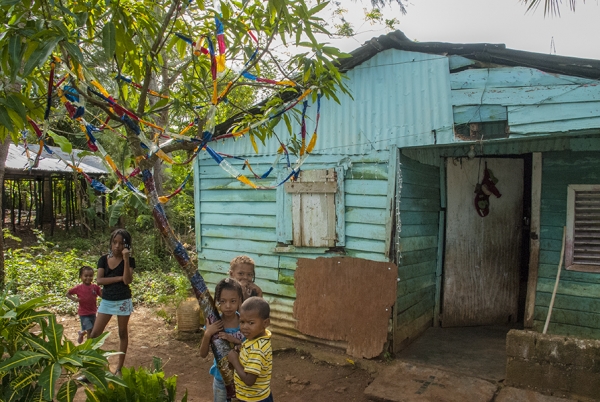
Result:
[
  {"x": 67, "y": 204},
  {"x": 31, "y": 201},
  {"x": 12, "y": 205},
  {"x": 534, "y": 248}
]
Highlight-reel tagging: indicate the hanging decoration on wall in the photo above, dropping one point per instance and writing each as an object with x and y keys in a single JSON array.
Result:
[{"x": 484, "y": 190}]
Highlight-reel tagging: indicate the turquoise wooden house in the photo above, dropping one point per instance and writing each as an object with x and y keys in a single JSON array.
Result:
[{"x": 460, "y": 163}]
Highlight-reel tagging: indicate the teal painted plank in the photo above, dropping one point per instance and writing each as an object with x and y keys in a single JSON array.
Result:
[
  {"x": 366, "y": 231},
  {"x": 567, "y": 330},
  {"x": 283, "y": 214},
  {"x": 416, "y": 284},
  {"x": 359, "y": 244},
  {"x": 260, "y": 221},
  {"x": 585, "y": 144},
  {"x": 421, "y": 178},
  {"x": 406, "y": 301},
  {"x": 419, "y": 218},
  {"x": 455, "y": 62},
  {"x": 197, "y": 212},
  {"x": 368, "y": 172},
  {"x": 423, "y": 307},
  {"x": 511, "y": 77},
  {"x": 417, "y": 243},
  {"x": 553, "y": 219},
  {"x": 527, "y": 95},
  {"x": 418, "y": 230},
  {"x": 247, "y": 208},
  {"x": 555, "y": 126},
  {"x": 366, "y": 187},
  {"x": 546, "y": 112},
  {"x": 551, "y": 232},
  {"x": 268, "y": 287},
  {"x": 554, "y": 205},
  {"x": 564, "y": 302},
  {"x": 411, "y": 204},
  {"x": 365, "y": 201},
  {"x": 222, "y": 268},
  {"x": 226, "y": 232},
  {"x": 365, "y": 215},
  {"x": 367, "y": 256},
  {"x": 569, "y": 317},
  {"x": 237, "y": 196},
  {"x": 231, "y": 184},
  {"x": 417, "y": 191},
  {"x": 417, "y": 256},
  {"x": 549, "y": 257},
  {"x": 550, "y": 244},
  {"x": 239, "y": 245},
  {"x": 260, "y": 260},
  {"x": 412, "y": 164},
  {"x": 479, "y": 113},
  {"x": 549, "y": 271},
  {"x": 570, "y": 288},
  {"x": 406, "y": 272},
  {"x": 288, "y": 263}
]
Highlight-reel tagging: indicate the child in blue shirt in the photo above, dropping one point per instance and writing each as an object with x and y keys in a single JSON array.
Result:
[{"x": 228, "y": 297}]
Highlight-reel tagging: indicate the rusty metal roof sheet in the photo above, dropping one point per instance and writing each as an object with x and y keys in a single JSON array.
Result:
[{"x": 17, "y": 162}]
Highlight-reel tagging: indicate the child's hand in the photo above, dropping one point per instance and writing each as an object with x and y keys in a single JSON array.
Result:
[
  {"x": 126, "y": 252},
  {"x": 233, "y": 357},
  {"x": 212, "y": 329},
  {"x": 253, "y": 288},
  {"x": 229, "y": 337}
]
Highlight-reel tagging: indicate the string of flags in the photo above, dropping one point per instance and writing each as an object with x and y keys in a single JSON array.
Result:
[{"x": 74, "y": 105}]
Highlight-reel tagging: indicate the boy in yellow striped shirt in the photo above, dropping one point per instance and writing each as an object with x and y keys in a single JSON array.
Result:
[{"x": 254, "y": 364}]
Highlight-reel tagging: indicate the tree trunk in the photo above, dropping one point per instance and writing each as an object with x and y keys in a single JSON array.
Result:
[{"x": 3, "y": 155}]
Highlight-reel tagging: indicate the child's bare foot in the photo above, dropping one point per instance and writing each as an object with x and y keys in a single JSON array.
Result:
[{"x": 81, "y": 335}]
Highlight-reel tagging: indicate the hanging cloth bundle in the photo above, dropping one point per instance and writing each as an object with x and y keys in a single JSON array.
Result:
[{"x": 483, "y": 191}]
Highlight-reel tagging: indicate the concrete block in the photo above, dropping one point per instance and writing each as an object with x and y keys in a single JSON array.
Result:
[
  {"x": 405, "y": 382},
  {"x": 536, "y": 376},
  {"x": 585, "y": 384},
  {"x": 520, "y": 344},
  {"x": 509, "y": 394}
]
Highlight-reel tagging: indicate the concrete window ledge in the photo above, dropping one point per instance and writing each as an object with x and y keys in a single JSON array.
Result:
[{"x": 553, "y": 364}]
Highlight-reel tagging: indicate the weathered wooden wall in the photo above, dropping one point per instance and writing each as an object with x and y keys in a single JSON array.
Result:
[
  {"x": 577, "y": 306},
  {"x": 234, "y": 219},
  {"x": 533, "y": 102},
  {"x": 419, "y": 205}
]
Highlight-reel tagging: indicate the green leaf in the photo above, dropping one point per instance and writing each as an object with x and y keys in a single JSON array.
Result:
[
  {"x": 96, "y": 376},
  {"x": 20, "y": 359},
  {"x": 110, "y": 377},
  {"x": 54, "y": 332},
  {"x": 40, "y": 55},
  {"x": 67, "y": 391},
  {"x": 5, "y": 119},
  {"x": 91, "y": 395},
  {"x": 109, "y": 39},
  {"x": 24, "y": 379},
  {"x": 41, "y": 346},
  {"x": 72, "y": 360},
  {"x": 48, "y": 379},
  {"x": 74, "y": 51},
  {"x": 115, "y": 212},
  {"x": 64, "y": 144},
  {"x": 92, "y": 357},
  {"x": 14, "y": 51},
  {"x": 17, "y": 105}
]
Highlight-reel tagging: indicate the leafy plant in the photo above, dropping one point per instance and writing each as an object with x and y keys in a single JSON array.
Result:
[
  {"x": 41, "y": 363},
  {"x": 141, "y": 385}
]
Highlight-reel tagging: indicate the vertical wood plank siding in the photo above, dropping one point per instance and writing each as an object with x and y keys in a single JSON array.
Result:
[
  {"x": 419, "y": 206},
  {"x": 235, "y": 219},
  {"x": 577, "y": 306}
]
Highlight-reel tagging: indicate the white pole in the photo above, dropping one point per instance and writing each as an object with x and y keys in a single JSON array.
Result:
[{"x": 562, "y": 253}]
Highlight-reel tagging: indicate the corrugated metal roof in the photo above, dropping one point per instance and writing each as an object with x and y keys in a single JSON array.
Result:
[
  {"x": 17, "y": 162},
  {"x": 398, "y": 98}
]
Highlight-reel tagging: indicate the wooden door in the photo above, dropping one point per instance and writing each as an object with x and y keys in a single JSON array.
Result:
[{"x": 482, "y": 255}]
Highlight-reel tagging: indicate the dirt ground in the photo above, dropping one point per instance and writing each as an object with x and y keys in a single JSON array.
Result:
[{"x": 296, "y": 377}]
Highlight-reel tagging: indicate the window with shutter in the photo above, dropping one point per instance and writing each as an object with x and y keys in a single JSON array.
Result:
[
  {"x": 311, "y": 210},
  {"x": 582, "y": 249}
]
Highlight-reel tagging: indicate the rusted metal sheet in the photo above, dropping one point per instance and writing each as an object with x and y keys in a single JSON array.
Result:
[{"x": 326, "y": 287}]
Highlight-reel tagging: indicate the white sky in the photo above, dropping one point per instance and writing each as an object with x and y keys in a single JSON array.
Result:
[{"x": 487, "y": 21}]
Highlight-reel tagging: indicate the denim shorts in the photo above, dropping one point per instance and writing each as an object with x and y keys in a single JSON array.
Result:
[
  {"x": 219, "y": 391},
  {"x": 116, "y": 307},
  {"x": 87, "y": 322}
]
